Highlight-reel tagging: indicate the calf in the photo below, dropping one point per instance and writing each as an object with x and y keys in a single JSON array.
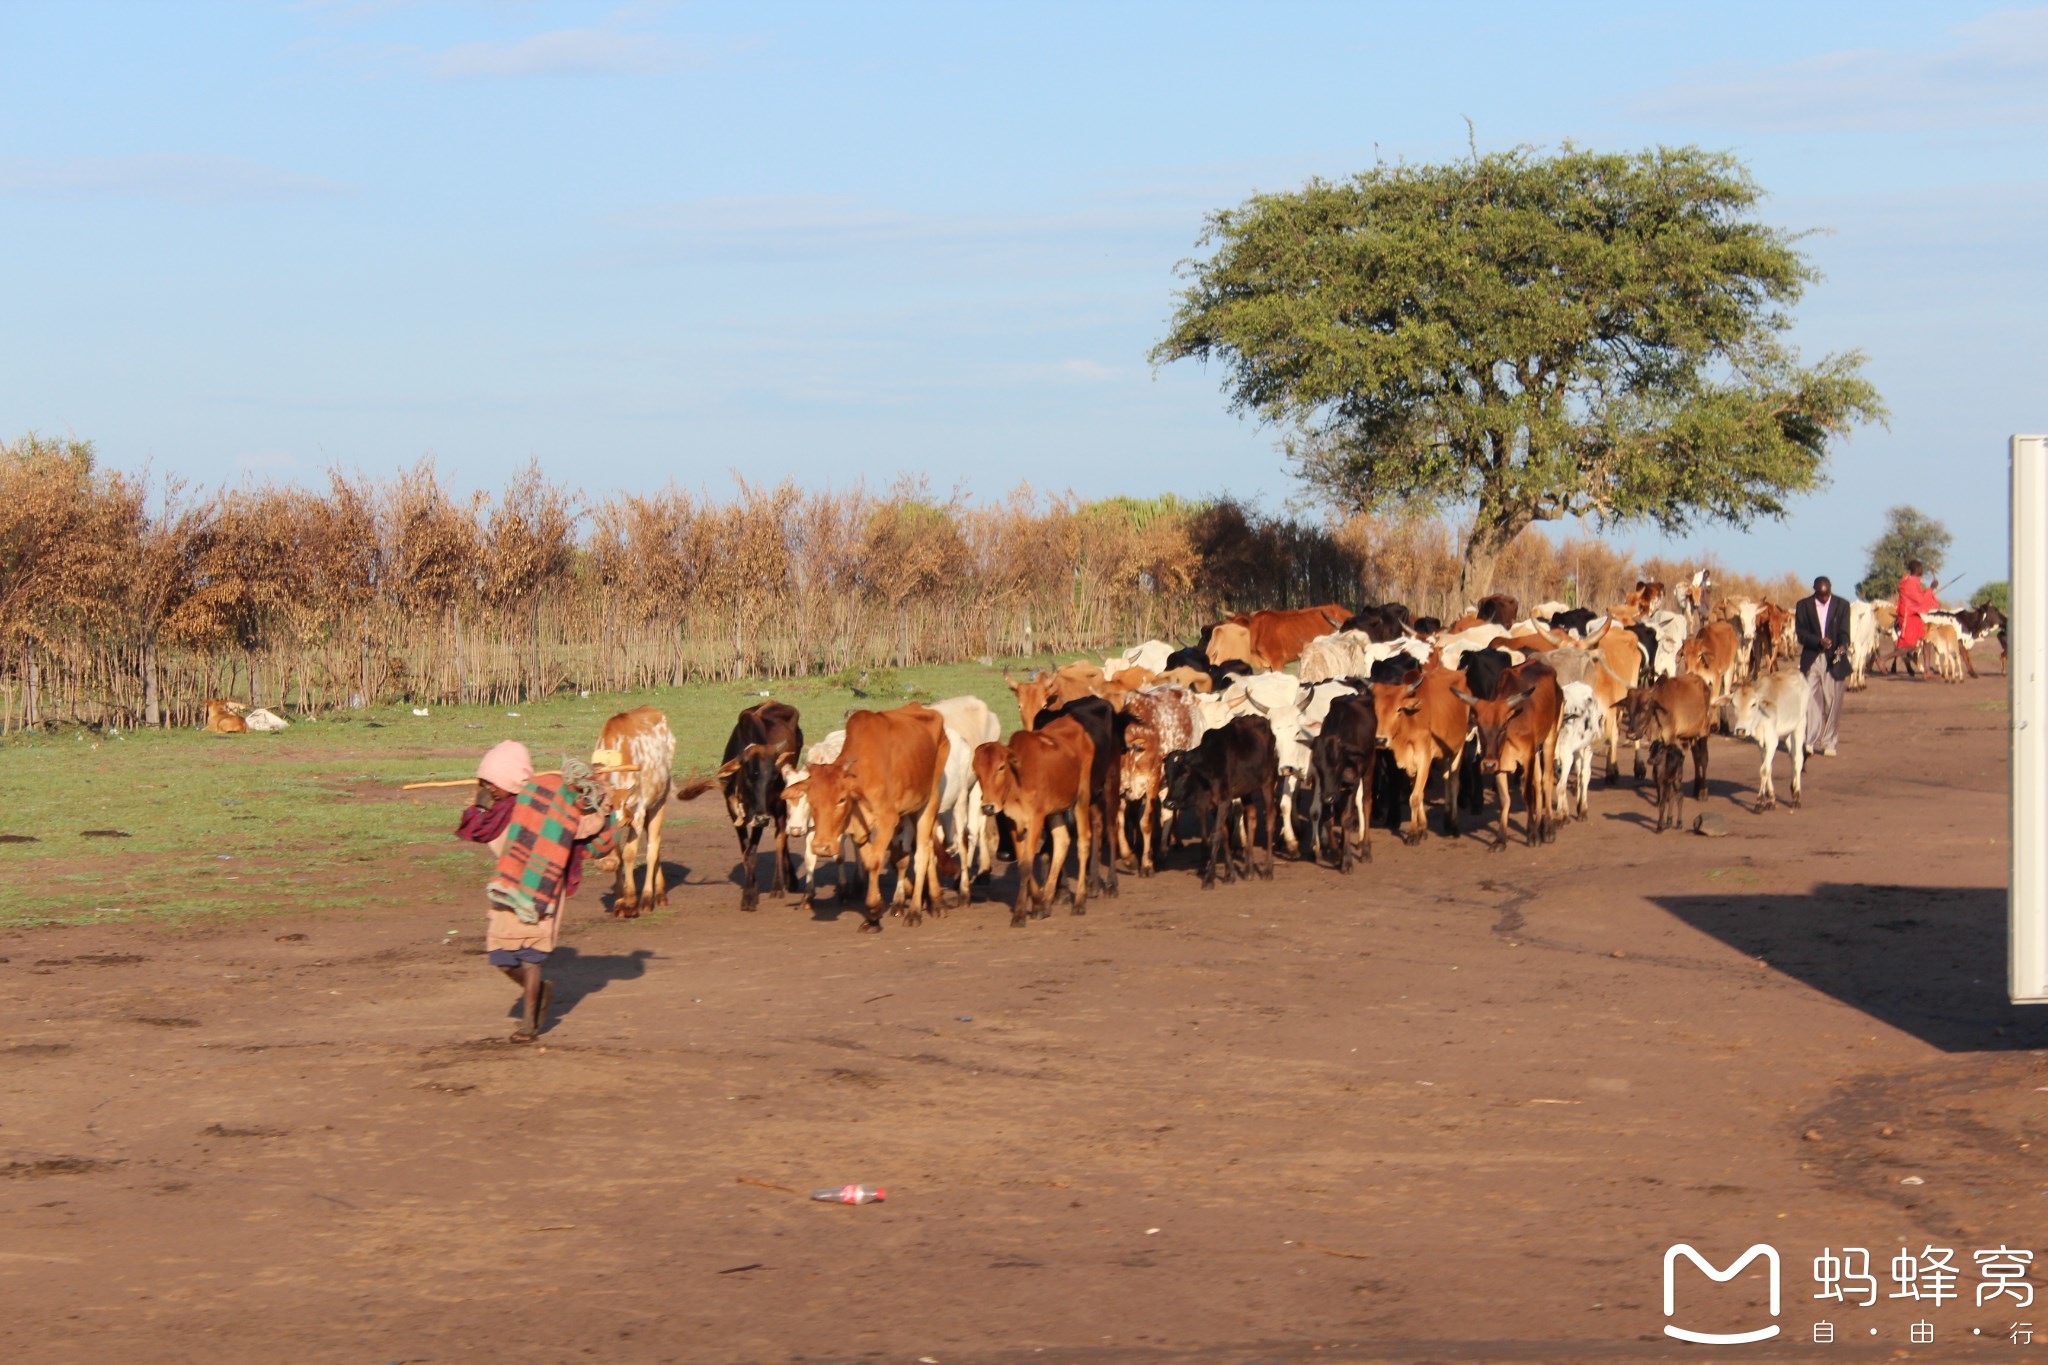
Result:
[
  {"x": 1518, "y": 733},
  {"x": 1712, "y": 655},
  {"x": 1038, "y": 777},
  {"x": 1343, "y": 757},
  {"x": 1677, "y": 711},
  {"x": 1578, "y": 726},
  {"x": 1142, "y": 776},
  {"x": 1772, "y": 710},
  {"x": 1667, "y": 764},
  {"x": 1235, "y": 762}
]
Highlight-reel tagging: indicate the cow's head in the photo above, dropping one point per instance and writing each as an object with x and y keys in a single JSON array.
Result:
[
  {"x": 752, "y": 781},
  {"x": 1181, "y": 774},
  {"x": 1033, "y": 696},
  {"x": 1392, "y": 701},
  {"x": 999, "y": 775},
  {"x": 1491, "y": 719},
  {"x": 830, "y": 791}
]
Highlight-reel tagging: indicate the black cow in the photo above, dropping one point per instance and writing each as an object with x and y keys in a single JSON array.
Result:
[
  {"x": 1425, "y": 625},
  {"x": 1099, "y": 719},
  {"x": 1344, "y": 757},
  {"x": 763, "y": 740},
  {"x": 1982, "y": 621},
  {"x": 1574, "y": 621},
  {"x": 1388, "y": 621},
  {"x": 1236, "y": 762},
  {"x": 1646, "y": 639}
]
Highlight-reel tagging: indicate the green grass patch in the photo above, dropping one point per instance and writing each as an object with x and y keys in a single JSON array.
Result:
[{"x": 236, "y": 825}]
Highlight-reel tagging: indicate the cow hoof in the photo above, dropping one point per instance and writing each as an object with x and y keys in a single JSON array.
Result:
[
  {"x": 1017, "y": 921},
  {"x": 913, "y": 919},
  {"x": 868, "y": 926},
  {"x": 1079, "y": 910},
  {"x": 1764, "y": 805}
]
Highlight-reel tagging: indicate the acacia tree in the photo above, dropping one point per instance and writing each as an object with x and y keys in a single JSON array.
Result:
[
  {"x": 1908, "y": 534},
  {"x": 1533, "y": 337}
]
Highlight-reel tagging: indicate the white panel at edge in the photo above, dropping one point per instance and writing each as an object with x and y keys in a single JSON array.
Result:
[{"x": 2027, "y": 902}]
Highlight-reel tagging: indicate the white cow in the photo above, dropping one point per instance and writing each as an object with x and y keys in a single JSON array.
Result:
[
  {"x": 1579, "y": 725},
  {"x": 1772, "y": 711},
  {"x": 1670, "y": 630},
  {"x": 1150, "y": 656},
  {"x": 1862, "y": 643},
  {"x": 1353, "y": 654}
]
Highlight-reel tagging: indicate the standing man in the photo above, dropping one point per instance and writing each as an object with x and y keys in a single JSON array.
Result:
[
  {"x": 1822, "y": 624},
  {"x": 1915, "y": 601}
]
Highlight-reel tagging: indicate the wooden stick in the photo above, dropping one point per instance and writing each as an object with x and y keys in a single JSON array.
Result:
[{"x": 551, "y": 772}]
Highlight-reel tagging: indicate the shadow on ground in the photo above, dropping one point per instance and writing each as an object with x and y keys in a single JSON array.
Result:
[{"x": 1929, "y": 961}]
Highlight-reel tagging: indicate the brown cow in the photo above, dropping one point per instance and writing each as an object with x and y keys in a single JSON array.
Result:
[
  {"x": 1038, "y": 776},
  {"x": 1192, "y": 678},
  {"x": 222, "y": 720},
  {"x": 1278, "y": 637},
  {"x": 1421, "y": 721},
  {"x": 891, "y": 767},
  {"x": 1518, "y": 733},
  {"x": 640, "y": 739},
  {"x": 1229, "y": 642},
  {"x": 1045, "y": 691},
  {"x": 1644, "y": 598},
  {"x": 1677, "y": 711},
  {"x": 1712, "y": 655},
  {"x": 1142, "y": 778}
]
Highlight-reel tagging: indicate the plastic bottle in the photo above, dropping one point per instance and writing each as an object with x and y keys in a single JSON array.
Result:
[{"x": 849, "y": 1194}]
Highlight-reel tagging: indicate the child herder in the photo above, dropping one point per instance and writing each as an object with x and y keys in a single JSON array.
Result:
[{"x": 541, "y": 828}]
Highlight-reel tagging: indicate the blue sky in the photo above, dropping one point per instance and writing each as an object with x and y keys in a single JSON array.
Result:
[{"x": 837, "y": 242}]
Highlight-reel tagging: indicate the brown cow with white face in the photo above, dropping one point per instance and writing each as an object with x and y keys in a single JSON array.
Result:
[{"x": 890, "y": 769}]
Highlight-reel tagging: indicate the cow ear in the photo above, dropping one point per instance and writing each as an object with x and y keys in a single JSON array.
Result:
[
  {"x": 729, "y": 767},
  {"x": 1016, "y": 769},
  {"x": 848, "y": 766},
  {"x": 786, "y": 761},
  {"x": 797, "y": 790}
]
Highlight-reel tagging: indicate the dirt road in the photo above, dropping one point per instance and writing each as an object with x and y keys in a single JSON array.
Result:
[{"x": 1454, "y": 1107}]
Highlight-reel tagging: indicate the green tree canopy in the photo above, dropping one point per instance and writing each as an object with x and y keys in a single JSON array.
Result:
[
  {"x": 1532, "y": 336},
  {"x": 1909, "y": 534},
  {"x": 1997, "y": 594}
]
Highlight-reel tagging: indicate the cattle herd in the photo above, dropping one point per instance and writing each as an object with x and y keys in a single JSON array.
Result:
[{"x": 1216, "y": 745}]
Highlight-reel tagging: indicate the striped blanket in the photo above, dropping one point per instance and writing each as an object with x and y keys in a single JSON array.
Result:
[{"x": 530, "y": 872}]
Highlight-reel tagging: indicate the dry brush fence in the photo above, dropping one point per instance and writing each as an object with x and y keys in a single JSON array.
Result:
[{"x": 128, "y": 602}]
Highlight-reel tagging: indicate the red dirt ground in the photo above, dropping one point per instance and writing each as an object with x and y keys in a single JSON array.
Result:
[{"x": 1453, "y": 1107}]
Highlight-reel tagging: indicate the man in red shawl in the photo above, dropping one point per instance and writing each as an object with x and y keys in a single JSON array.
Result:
[{"x": 1915, "y": 601}]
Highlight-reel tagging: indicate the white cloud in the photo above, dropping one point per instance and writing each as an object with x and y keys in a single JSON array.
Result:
[
  {"x": 563, "y": 52},
  {"x": 160, "y": 175},
  {"x": 1993, "y": 71}
]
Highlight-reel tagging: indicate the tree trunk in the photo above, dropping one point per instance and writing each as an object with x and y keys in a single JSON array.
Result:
[
  {"x": 152, "y": 715},
  {"x": 1491, "y": 534}
]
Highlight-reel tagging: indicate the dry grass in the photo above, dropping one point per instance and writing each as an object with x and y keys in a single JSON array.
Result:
[{"x": 125, "y": 603}]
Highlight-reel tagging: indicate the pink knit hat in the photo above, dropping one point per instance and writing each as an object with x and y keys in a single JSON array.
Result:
[{"x": 507, "y": 766}]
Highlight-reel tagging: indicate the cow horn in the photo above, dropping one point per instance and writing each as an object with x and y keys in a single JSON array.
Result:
[{"x": 1253, "y": 702}]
